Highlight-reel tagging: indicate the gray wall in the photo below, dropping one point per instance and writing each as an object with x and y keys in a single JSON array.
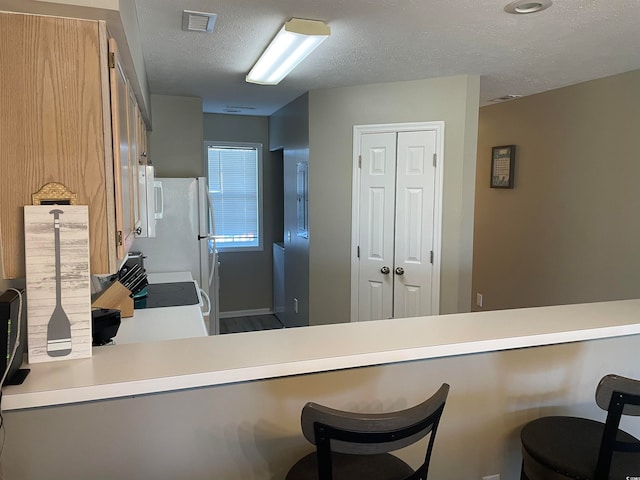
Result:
[
  {"x": 332, "y": 115},
  {"x": 289, "y": 132},
  {"x": 176, "y": 145},
  {"x": 569, "y": 231},
  {"x": 135, "y": 59},
  {"x": 251, "y": 430},
  {"x": 4, "y": 284},
  {"x": 246, "y": 277}
]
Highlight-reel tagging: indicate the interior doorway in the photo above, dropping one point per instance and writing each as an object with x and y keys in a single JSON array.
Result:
[{"x": 397, "y": 211}]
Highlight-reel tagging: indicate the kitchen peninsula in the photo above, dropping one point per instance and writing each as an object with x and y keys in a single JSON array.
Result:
[
  {"x": 228, "y": 407},
  {"x": 157, "y": 367}
]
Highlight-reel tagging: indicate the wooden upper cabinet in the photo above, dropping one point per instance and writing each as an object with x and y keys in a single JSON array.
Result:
[
  {"x": 122, "y": 151},
  {"x": 56, "y": 126},
  {"x": 143, "y": 154},
  {"x": 134, "y": 159}
]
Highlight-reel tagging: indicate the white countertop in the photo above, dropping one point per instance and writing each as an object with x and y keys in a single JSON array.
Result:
[
  {"x": 135, "y": 369},
  {"x": 157, "y": 324},
  {"x": 165, "y": 323}
]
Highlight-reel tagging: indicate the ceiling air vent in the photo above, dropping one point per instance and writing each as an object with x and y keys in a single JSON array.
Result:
[{"x": 198, "y": 21}]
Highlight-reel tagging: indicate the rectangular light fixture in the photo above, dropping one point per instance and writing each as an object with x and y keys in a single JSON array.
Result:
[{"x": 295, "y": 40}]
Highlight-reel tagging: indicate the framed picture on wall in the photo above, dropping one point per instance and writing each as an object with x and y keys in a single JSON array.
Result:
[{"x": 502, "y": 164}]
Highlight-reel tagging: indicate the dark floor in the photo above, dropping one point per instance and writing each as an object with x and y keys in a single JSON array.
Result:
[{"x": 249, "y": 324}]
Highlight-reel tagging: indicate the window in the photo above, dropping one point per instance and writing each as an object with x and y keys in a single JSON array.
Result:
[{"x": 235, "y": 189}]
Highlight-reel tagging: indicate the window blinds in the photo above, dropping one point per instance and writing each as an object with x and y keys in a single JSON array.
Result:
[{"x": 233, "y": 187}]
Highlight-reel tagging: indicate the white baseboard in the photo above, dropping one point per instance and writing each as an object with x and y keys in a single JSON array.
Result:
[{"x": 246, "y": 313}]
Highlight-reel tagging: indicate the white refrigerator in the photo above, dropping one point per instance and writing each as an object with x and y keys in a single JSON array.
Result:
[{"x": 184, "y": 241}]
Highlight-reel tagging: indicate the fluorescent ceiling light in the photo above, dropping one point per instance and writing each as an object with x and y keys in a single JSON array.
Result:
[{"x": 295, "y": 40}]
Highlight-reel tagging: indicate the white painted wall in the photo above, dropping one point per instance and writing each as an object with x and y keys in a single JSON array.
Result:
[
  {"x": 4, "y": 284},
  {"x": 332, "y": 115}
]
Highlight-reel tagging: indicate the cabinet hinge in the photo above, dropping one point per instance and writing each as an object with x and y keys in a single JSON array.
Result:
[
  {"x": 112, "y": 60},
  {"x": 358, "y": 251},
  {"x": 119, "y": 238},
  {"x": 431, "y": 256},
  {"x": 359, "y": 161},
  {"x": 435, "y": 159}
]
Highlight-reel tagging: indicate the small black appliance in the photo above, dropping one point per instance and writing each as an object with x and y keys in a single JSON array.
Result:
[
  {"x": 105, "y": 323},
  {"x": 13, "y": 312}
]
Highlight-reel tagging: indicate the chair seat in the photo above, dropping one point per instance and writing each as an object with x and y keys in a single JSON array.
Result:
[
  {"x": 568, "y": 447},
  {"x": 351, "y": 467}
]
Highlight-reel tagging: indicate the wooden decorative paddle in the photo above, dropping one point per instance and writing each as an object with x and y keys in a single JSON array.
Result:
[{"x": 59, "y": 327}]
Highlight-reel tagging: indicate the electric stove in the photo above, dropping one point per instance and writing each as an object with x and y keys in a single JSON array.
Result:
[{"x": 172, "y": 294}]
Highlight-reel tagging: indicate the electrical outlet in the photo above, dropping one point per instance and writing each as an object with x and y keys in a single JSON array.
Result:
[
  {"x": 295, "y": 305},
  {"x": 479, "y": 304},
  {"x": 492, "y": 477}
]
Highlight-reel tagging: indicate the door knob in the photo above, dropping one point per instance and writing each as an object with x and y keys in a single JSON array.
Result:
[
  {"x": 385, "y": 270},
  {"x": 399, "y": 271}
]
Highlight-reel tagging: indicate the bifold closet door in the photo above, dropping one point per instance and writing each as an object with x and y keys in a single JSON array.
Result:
[
  {"x": 377, "y": 217},
  {"x": 415, "y": 188},
  {"x": 396, "y": 224}
]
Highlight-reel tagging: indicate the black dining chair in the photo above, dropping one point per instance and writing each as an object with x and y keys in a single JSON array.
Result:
[
  {"x": 559, "y": 448},
  {"x": 357, "y": 445}
]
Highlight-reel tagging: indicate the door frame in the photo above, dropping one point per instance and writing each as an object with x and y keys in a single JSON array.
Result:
[{"x": 358, "y": 131}]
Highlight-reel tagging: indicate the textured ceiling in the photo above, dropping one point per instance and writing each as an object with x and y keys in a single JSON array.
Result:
[{"x": 374, "y": 41}]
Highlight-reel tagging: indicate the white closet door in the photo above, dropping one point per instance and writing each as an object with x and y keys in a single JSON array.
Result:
[
  {"x": 395, "y": 225},
  {"x": 377, "y": 211},
  {"x": 415, "y": 187}
]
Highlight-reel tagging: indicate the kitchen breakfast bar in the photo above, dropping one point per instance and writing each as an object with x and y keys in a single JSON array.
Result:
[
  {"x": 163, "y": 366},
  {"x": 228, "y": 407}
]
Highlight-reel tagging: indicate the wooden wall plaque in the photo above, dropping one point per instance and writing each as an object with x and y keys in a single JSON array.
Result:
[{"x": 58, "y": 282}]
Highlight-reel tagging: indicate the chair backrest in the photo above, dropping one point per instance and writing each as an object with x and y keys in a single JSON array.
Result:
[
  {"x": 371, "y": 433},
  {"x": 618, "y": 396}
]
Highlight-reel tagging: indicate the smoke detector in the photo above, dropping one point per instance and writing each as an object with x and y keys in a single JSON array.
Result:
[{"x": 198, "y": 21}]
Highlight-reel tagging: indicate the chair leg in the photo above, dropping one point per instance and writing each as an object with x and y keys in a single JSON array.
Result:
[{"x": 523, "y": 476}]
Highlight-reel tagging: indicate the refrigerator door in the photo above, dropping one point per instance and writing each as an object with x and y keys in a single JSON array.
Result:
[
  {"x": 182, "y": 238},
  {"x": 208, "y": 256},
  {"x": 176, "y": 247}
]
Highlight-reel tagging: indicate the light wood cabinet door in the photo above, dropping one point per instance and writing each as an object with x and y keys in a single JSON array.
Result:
[
  {"x": 122, "y": 154},
  {"x": 142, "y": 141},
  {"x": 55, "y": 119},
  {"x": 134, "y": 160}
]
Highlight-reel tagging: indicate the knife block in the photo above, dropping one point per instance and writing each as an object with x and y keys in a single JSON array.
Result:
[{"x": 116, "y": 296}]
